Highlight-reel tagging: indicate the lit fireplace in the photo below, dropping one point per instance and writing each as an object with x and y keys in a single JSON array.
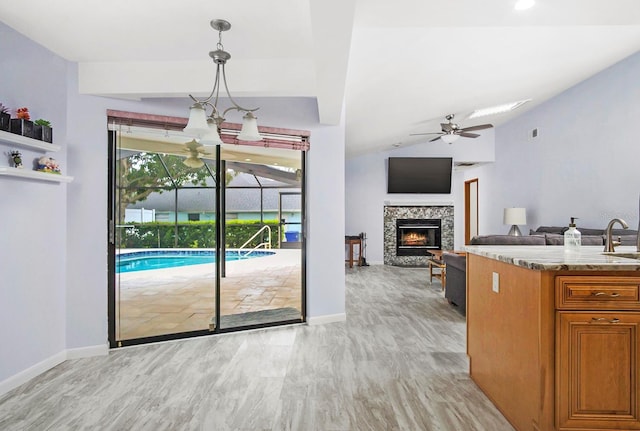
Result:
[{"x": 416, "y": 236}]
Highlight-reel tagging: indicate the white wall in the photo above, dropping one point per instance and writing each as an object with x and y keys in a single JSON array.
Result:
[
  {"x": 366, "y": 187},
  {"x": 584, "y": 162},
  {"x": 33, "y": 215},
  {"x": 53, "y": 250}
]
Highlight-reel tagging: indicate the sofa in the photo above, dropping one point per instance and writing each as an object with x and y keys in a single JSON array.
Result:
[{"x": 456, "y": 265}]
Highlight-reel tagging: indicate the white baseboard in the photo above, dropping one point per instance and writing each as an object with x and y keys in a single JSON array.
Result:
[
  {"x": 330, "y": 318},
  {"x": 31, "y": 372},
  {"x": 39, "y": 368},
  {"x": 87, "y": 352}
]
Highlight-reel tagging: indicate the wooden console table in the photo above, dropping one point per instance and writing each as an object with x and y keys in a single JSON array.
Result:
[
  {"x": 351, "y": 242},
  {"x": 436, "y": 262}
]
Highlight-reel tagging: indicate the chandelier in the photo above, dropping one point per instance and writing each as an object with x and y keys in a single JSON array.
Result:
[{"x": 203, "y": 126}]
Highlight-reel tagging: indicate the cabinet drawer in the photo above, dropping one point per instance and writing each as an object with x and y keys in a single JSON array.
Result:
[{"x": 597, "y": 292}]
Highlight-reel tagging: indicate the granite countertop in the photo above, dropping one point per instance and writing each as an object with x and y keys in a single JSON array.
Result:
[{"x": 554, "y": 258}]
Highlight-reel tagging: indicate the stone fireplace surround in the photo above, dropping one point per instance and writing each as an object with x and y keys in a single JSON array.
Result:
[{"x": 392, "y": 212}]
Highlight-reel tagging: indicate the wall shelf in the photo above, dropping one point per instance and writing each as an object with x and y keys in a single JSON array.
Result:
[
  {"x": 24, "y": 142},
  {"x": 34, "y": 175}
]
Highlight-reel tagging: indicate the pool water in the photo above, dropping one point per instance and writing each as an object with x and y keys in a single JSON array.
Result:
[{"x": 160, "y": 259}]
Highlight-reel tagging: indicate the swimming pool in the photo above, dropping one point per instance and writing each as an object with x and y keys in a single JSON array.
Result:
[{"x": 160, "y": 259}]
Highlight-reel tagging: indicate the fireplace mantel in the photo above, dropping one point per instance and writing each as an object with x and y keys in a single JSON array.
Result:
[{"x": 413, "y": 203}]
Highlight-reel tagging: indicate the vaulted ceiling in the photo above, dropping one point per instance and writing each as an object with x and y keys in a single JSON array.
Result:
[{"x": 396, "y": 67}]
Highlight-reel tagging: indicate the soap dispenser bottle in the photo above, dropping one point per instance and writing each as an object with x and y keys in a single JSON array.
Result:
[{"x": 572, "y": 237}]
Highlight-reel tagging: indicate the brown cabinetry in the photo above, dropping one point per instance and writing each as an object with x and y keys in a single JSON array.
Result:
[
  {"x": 556, "y": 350},
  {"x": 597, "y": 370},
  {"x": 597, "y": 352}
]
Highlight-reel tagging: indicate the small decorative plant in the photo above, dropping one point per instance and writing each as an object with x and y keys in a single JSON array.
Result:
[
  {"x": 41, "y": 122},
  {"x": 22, "y": 124},
  {"x": 42, "y": 130},
  {"x": 23, "y": 113},
  {"x": 5, "y": 118}
]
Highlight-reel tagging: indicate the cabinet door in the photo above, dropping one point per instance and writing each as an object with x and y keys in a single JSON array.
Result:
[{"x": 597, "y": 370}]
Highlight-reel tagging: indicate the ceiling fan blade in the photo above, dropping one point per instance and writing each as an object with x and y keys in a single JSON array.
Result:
[
  {"x": 468, "y": 135},
  {"x": 480, "y": 127},
  {"x": 428, "y": 133},
  {"x": 435, "y": 139}
]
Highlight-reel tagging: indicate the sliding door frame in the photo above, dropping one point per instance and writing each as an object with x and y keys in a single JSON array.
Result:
[{"x": 179, "y": 123}]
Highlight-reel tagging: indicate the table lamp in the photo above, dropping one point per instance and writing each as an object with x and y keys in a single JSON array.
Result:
[{"x": 514, "y": 217}]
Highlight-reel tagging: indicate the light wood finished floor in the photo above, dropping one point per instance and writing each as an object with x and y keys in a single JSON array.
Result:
[{"x": 397, "y": 363}]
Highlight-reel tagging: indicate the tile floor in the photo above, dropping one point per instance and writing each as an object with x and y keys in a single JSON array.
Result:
[{"x": 182, "y": 299}]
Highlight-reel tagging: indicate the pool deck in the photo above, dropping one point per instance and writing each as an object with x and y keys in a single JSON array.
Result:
[{"x": 173, "y": 300}]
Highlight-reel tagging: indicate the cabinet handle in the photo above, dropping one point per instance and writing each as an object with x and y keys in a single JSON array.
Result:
[
  {"x": 612, "y": 295},
  {"x": 604, "y": 319}
]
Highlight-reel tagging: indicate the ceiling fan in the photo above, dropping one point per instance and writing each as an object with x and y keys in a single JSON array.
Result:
[
  {"x": 452, "y": 131},
  {"x": 195, "y": 150}
]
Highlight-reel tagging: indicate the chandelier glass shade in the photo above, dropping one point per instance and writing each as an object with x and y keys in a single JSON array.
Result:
[{"x": 205, "y": 126}]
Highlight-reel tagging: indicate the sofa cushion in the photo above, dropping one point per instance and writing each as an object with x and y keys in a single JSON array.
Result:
[
  {"x": 623, "y": 232},
  {"x": 626, "y": 239},
  {"x": 507, "y": 240},
  {"x": 587, "y": 232},
  {"x": 552, "y": 229},
  {"x": 592, "y": 240},
  {"x": 557, "y": 239}
]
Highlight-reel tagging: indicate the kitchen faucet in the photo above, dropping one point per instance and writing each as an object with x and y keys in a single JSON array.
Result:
[{"x": 609, "y": 243}]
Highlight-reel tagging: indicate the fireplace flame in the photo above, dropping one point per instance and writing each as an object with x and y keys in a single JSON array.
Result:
[{"x": 414, "y": 238}]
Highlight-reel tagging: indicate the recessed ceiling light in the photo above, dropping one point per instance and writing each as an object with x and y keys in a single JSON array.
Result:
[
  {"x": 247, "y": 160},
  {"x": 499, "y": 109},
  {"x": 524, "y": 4}
]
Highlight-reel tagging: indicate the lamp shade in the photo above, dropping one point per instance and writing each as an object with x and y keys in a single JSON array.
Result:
[
  {"x": 211, "y": 137},
  {"x": 517, "y": 216},
  {"x": 249, "y": 131},
  {"x": 449, "y": 138},
  {"x": 197, "y": 124}
]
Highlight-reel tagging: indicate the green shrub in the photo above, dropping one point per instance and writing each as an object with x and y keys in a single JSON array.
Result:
[{"x": 195, "y": 234}]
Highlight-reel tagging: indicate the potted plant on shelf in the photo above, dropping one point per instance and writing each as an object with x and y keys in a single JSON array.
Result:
[
  {"x": 5, "y": 118},
  {"x": 42, "y": 130},
  {"x": 22, "y": 124}
]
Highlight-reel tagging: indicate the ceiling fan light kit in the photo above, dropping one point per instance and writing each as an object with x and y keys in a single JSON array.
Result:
[
  {"x": 193, "y": 162},
  {"x": 449, "y": 138},
  {"x": 200, "y": 124}
]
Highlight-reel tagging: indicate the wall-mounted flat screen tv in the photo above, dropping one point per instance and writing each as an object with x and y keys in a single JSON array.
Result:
[{"x": 419, "y": 175}]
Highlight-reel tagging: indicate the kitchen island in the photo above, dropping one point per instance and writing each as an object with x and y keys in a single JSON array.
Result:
[{"x": 554, "y": 338}]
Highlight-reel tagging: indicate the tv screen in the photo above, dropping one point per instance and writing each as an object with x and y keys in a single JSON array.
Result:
[{"x": 419, "y": 175}]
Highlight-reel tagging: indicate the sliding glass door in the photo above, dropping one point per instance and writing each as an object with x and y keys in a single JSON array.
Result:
[
  {"x": 163, "y": 239},
  {"x": 262, "y": 279},
  {"x": 194, "y": 252}
]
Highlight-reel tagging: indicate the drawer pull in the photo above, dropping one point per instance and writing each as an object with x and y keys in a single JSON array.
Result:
[
  {"x": 605, "y": 320},
  {"x": 612, "y": 295}
]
